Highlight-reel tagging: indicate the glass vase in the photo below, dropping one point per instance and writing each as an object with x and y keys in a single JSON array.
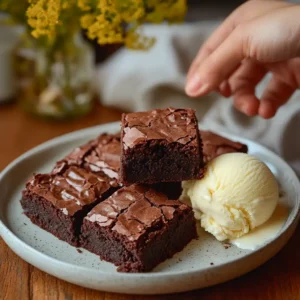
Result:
[{"x": 54, "y": 81}]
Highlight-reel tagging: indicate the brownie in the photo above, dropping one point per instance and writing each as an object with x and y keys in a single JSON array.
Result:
[
  {"x": 137, "y": 228},
  {"x": 102, "y": 155},
  {"x": 99, "y": 155},
  {"x": 215, "y": 145},
  {"x": 160, "y": 146},
  {"x": 59, "y": 201},
  {"x": 105, "y": 155}
]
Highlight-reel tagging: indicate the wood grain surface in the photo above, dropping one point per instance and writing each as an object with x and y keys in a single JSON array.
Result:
[{"x": 279, "y": 278}]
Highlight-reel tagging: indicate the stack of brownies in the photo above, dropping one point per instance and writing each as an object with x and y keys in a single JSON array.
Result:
[{"x": 116, "y": 196}]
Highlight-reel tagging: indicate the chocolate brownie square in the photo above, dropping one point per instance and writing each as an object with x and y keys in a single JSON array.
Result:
[
  {"x": 137, "y": 228},
  {"x": 160, "y": 146},
  {"x": 58, "y": 202},
  {"x": 105, "y": 155},
  {"x": 99, "y": 155},
  {"x": 215, "y": 145}
]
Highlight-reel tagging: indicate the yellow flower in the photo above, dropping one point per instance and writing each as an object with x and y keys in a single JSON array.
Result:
[
  {"x": 84, "y": 5},
  {"x": 43, "y": 17},
  {"x": 87, "y": 20},
  {"x": 108, "y": 21},
  {"x": 130, "y": 10},
  {"x": 104, "y": 23}
]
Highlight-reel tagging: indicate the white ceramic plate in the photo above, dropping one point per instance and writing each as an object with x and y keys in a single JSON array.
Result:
[{"x": 187, "y": 270}]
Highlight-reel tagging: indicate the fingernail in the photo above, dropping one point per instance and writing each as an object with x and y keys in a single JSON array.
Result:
[{"x": 196, "y": 87}]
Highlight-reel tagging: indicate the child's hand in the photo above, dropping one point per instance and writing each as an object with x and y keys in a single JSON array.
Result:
[{"x": 260, "y": 36}]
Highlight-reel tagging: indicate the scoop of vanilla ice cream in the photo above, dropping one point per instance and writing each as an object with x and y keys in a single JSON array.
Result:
[{"x": 237, "y": 194}]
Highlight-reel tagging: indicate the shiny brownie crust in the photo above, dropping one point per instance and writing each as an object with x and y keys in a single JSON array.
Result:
[
  {"x": 160, "y": 146},
  {"x": 101, "y": 155}
]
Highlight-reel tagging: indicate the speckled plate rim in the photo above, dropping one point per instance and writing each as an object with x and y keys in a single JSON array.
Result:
[{"x": 43, "y": 261}]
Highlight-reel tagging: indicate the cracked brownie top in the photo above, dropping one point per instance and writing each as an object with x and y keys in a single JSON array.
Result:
[
  {"x": 171, "y": 125},
  {"x": 136, "y": 211},
  {"x": 71, "y": 189}
]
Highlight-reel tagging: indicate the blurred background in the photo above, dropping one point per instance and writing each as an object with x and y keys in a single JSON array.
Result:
[
  {"x": 25, "y": 56},
  {"x": 66, "y": 67}
]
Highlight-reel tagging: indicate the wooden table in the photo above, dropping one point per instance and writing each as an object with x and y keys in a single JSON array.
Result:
[{"x": 277, "y": 279}]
